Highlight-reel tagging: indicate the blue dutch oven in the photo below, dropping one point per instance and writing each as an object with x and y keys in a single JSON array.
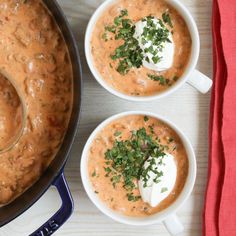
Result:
[{"x": 54, "y": 174}]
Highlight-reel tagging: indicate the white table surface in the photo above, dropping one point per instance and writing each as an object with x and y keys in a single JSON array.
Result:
[{"x": 186, "y": 107}]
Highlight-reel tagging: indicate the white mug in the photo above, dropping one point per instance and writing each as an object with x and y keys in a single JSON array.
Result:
[
  {"x": 194, "y": 77},
  {"x": 167, "y": 216}
]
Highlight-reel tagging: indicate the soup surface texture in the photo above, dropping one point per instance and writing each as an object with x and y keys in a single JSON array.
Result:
[
  {"x": 122, "y": 129},
  {"x": 11, "y": 114},
  {"x": 138, "y": 81},
  {"x": 35, "y": 55}
]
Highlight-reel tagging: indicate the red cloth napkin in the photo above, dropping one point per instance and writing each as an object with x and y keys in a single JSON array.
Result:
[
  {"x": 220, "y": 203},
  {"x": 227, "y": 211}
]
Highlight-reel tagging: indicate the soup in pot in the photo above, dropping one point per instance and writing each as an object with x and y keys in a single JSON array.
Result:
[{"x": 35, "y": 55}]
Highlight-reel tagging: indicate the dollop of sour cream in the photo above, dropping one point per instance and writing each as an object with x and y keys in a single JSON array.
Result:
[
  {"x": 154, "y": 192},
  {"x": 166, "y": 54}
]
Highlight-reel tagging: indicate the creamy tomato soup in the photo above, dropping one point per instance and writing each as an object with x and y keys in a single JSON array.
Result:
[
  {"x": 139, "y": 80},
  {"x": 118, "y": 152},
  {"x": 34, "y": 54},
  {"x": 11, "y": 114}
]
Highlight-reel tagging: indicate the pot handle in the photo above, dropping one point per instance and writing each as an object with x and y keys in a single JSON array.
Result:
[{"x": 65, "y": 211}]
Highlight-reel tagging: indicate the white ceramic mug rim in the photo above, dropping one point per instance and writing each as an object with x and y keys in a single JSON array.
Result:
[
  {"x": 191, "y": 65},
  {"x": 147, "y": 220}
]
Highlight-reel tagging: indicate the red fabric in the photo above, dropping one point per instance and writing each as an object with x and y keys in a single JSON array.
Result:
[
  {"x": 227, "y": 212},
  {"x": 216, "y": 160},
  {"x": 220, "y": 203}
]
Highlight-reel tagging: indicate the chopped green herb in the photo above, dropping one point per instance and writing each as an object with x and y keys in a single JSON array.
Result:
[
  {"x": 175, "y": 78},
  {"x": 166, "y": 18},
  {"x": 115, "y": 179},
  {"x": 160, "y": 78},
  {"x": 147, "y": 59},
  {"x": 156, "y": 59},
  {"x": 94, "y": 173},
  {"x": 146, "y": 118},
  {"x": 110, "y": 28},
  {"x": 152, "y": 168},
  {"x": 126, "y": 159},
  {"x": 104, "y": 36},
  {"x": 117, "y": 20},
  {"x": 170, "y": 140},
  {"x": 108, "y": 170},
  {"x": 164, "y": 190},
  {"x": 155, "y": 34},
  {"x": 151, "y": 129},
  {"x": 132, "y": 198},
  {"x": 117, "y": 133},
  {"x": 129, "y": 54},
  {"x": 124, "y": 12}
]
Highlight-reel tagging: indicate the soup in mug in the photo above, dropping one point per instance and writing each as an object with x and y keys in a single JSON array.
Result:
[
  {"x": 140, "y": 47},
  {"x": 130, "y": 155}
]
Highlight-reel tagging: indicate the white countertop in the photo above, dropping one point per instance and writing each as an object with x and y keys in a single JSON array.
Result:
[{"x": 186, "y": 107}]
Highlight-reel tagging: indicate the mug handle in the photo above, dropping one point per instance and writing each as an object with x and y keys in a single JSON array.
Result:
[
  {"x": 200, "y": 81},
  {"x": 65, "y": 211},
  {"x": 173, "y": 225}
]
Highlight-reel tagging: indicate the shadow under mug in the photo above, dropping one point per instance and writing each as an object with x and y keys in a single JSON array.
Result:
[
  {"x": 191, "y": 75},
  {"x": 167, "y": 216}
]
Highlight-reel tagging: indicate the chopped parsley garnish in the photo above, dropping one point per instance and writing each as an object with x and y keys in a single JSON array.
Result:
[
  {"x": 166, "y": 18},
  {"x": 124, "y": 12},
  {"x": 104, "y": 36},
  {"x": 107, "y": 170},
  {"x": 157, "y": 35},
  {"x": 133, "y": 198},
  {"x": 164, "y": 190},
  {"x": 162, "y": 80},
  {"x": 115, "y": 179},
  {"x": 94, "y": 173},
  {"x": 118, "y": 19},
  {"x": 125, "y": 160},
  {"x": 111, "y": 28},
  {"x": 129, "y": 54},
  {"x": 170, "y": 140},
  {"x": 117, "y": 133},
  {"x": 151, "y": 129},
  {"x": 175, "y": 78},
  {"x": 152, "y": 164},
  {"x": 146, "y": 118}
]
